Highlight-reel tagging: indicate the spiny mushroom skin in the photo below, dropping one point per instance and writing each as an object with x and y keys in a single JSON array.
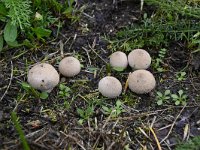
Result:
[
  {"x": 69, "y": 66},
  {"x": 43, "y": 77},
  {"x": 110, "y": 87},
  {"x": 139, "y": 59},
  {"x": 141, "y": 81},
  {"x": 119, "y": 60}
]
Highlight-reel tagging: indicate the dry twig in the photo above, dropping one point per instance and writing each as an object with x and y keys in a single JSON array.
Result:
[{"x": 11, "y": 77}]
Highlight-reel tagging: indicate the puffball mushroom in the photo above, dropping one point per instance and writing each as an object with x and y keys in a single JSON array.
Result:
[
  {"x": 43, "y": 77},
  {"x": 110, "y": 87},
  {"x": 118, "y": 60},
  {"x": 69, "y": 66},
  {"x": 141, "y": 81},
  {"x": 139, "y": 59}
]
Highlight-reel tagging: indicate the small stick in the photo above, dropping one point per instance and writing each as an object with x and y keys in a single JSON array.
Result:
[
  {"x": 126, "y": 84},
  {"x": 11, "y": 77},
  {"x": 87, "y": 55},
  {"x": 61, "y": 49},
  {"x": 170, "y": 130},
  {"x": 157, "y": 142}
]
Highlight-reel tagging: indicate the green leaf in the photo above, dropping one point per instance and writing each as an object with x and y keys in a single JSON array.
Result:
[
  {"x": 25, "y": 86},
  {"x": 167, "y": 97},
  {"x": 10, "y": 32},
  {"x": 183, "y": 73},
  {"x": 118, "y": 103},
  {"x": 28, "y": 43},
  {"x": 160, "y": 102},
  {"x": 119, "y": 69},
  {"x": 62, "y": 87},
  {"x": 18, "y": 127},
  {"x": 177, "y": 103},
  {"x": 44, "y": 95},
  {"x": 160, "y": 69},
  {"x": 80, "y": 112},
  {"x": 174, "y": 96},
  {"x": 13, "y": 44},
  {"x": 184, "y": 96},
  {"x": 67, "y": 89},
  {"x": 3, "y": 10},
  {"x": 159, "y": 94},
  {"x": 80, "y": 121},
  {"x": 106, "y": 109},
  {"x": 1, "y": 43},
  {"x": 41, "y": 32},
  {"x": 167, "y": 92},
  {"x": 183, "y": 103},
  {"x": 180, "y": 92}
]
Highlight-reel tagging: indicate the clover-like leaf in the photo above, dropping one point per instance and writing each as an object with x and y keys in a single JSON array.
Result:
[{"x": 160, "y": 102}]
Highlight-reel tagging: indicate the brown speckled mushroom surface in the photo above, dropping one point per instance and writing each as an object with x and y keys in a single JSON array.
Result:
[
  {"x": 43, "y": 77},
  {"x": 139, "y": 59},
  {"x": 110, "y": 87},
  {"x": 141, "y": 81},
  {"x": 118, "y": 60},
  {"x": 69, "y": 66}
]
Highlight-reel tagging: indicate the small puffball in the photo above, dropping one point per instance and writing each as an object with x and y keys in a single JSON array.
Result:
[
  {"x": 69, "y": 66},
  {"x": 118, "y": 60},
  {"x": 43, "y": 77},
  {"x": 139, "y": 59},
  {"x": 110, "y": 87},
  {"x": 141, "y": 81}
]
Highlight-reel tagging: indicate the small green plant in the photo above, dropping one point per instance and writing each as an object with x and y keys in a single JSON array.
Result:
[
  {"x": 114, "y": 111},
  {"x": 19, "y": 130},
  {"x": 181, "y": 76},
  {"x": 89, "y": 110},
  {"x": 32, "y": 19},
  {"x": 171, "y": 21},
  {"x": 163, "y": 97},
  {"x": 85, "y": 114},
  {"x": 195, "y": 42},
  {"x": 179, "y": 98},
  {"x": 157, "y": 63},
  {"x": 64, "y": 93},
  {"x": 31, "y": 91},
  {"x": 19, "y": 12},
  {"x": 192, "y": 144},
  {"x": 167, "y": 97}
]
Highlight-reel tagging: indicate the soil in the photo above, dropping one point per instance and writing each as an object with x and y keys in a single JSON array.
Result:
[{"x": 47, "y": 124}]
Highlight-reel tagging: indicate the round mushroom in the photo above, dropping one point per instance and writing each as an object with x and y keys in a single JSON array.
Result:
[
  {"x": 139, "y": 59},
  {"x": 69, "y": 66},
  {"x": 141, "y": 81},
  {"x": 118, "y": 60},
  {"x": 110, "y": 87},
  {"x": 43, "y": 77}
]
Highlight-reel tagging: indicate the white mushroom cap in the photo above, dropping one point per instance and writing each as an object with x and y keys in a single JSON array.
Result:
[
  {"x": 110, "y": 87},
  {"x": 139, "y": 59},
  {"x": 69, "y": 66},
  {"x": 118, "y": 60},
  {"x": 141, "y": 81},
  {"x": 43, "y": 77}
]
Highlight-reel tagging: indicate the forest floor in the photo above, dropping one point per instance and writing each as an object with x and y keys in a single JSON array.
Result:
[{"x": 78, "y": 120}]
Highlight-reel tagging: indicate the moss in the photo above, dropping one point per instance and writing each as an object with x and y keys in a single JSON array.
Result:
[{"x": 193, "y": 144}]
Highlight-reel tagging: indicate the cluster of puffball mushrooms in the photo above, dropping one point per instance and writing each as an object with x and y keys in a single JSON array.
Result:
[
  {"x": 44, "y": 76},
  {"x": 140, "y": 81}
]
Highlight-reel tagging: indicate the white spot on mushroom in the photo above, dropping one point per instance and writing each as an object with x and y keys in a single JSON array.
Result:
[
  {"x": 69, "y": 66},
  {"x": 139, "y": 59},
  {"x": 43, "y": 77},
  {"x": 141, "y": 81},
  {"x": 110, "y": 87},
  {"x": 118, "y": 60}
]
